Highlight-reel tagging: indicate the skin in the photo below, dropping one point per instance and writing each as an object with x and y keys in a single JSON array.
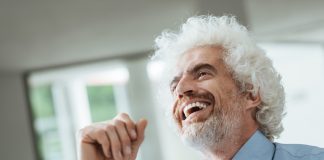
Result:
[
  {"x": 200, "y": 70},
  {"x": 117, "y": 139}
]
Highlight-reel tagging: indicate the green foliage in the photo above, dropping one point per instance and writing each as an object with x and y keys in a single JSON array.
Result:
[
  {"x": 102, "y": 107},
  {"x": 102, "y": 102},
  {"x": 48, "y": 143},
  {"x": 42, "y": 101}
]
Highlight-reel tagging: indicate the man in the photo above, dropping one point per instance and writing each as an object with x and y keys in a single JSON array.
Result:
[{"x": 228, "y": 99}]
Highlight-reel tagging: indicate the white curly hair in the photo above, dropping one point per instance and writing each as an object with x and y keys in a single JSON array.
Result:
[{"x": 247, "y": 62}]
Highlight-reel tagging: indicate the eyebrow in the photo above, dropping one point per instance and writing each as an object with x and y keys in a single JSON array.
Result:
[
  {"x": 194, "y": 69},
  {"x": 175, "y": 80},
  {"x": 200, "y": 66}
]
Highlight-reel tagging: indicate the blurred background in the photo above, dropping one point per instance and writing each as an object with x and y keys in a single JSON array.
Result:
[{"x": 66, "y": 64}]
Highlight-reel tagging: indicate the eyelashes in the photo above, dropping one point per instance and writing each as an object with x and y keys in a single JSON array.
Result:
[
  {"x": 172, "y": 88},
  {"x": 200, "y": 75}
]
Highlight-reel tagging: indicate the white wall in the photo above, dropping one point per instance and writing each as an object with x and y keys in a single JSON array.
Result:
[
  {"x": 141, "y": 105},
  {"x": 15, "y": 134},
  {"x": 302, "y": 70}
]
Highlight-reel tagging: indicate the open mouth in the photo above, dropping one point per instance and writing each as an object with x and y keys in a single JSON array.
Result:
[{"x": 193, "y": 108}]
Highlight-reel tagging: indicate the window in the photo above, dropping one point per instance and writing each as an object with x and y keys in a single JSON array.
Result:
[
  {"x": 65, "y": 100},
  {"x": 48, "y": 143},
  {"x": 101, "y": 102}
]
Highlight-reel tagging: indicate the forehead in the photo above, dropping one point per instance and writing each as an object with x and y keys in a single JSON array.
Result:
[{"x": 207, "y": 54}]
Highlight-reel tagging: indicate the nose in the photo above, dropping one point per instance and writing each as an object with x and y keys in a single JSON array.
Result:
[{"x": 185, "y": 87}]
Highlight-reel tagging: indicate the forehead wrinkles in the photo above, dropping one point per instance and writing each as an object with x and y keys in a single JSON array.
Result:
[
  {"x": 193, "y": 65},
  {"x": 210, "y": 54}
]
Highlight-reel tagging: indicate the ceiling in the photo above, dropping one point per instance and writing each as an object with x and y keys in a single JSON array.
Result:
[
  {"x": 43, "y": 33},
  {"x": 287, "y": 20}
]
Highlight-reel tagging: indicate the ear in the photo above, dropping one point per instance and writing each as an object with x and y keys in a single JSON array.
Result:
[{"x": 252, "y": 101}]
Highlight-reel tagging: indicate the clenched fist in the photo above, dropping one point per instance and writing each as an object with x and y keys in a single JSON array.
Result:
[{"x": 117, "y": 139}]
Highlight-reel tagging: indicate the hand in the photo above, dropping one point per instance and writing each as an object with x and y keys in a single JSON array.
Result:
[{"x": 117, "y": 139}]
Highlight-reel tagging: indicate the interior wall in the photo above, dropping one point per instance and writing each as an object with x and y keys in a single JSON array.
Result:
[
  {"x": 141, "y": 106},
  {"x": 290, "y": 21},
  {"x": 15, "y": 135},
  {"x": 229, "y": 7}
]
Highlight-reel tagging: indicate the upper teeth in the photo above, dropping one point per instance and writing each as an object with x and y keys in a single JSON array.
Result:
[{"x": 195, "y": 104}]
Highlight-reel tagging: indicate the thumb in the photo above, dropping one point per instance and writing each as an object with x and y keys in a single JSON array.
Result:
[{"x": 140, "y": 127}]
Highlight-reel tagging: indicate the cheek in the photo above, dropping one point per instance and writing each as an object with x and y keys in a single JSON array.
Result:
[
  {"x": 175, "y": 108},
  {"x": 208, "y": 85},
  {"x": 175, "y": 112},
  {"x": 223, "y": 91},
  {"x": 212, "y": 87}
]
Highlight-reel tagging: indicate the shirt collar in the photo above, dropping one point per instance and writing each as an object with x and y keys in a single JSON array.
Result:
[{"x": 257, "y": 147}]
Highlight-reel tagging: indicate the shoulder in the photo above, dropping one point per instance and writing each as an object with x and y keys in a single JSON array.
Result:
[{"x": 299, "y": 151}]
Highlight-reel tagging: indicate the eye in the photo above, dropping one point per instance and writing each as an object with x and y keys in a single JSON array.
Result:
[
  {"x": 202, "y": 74},
  {"x": 173, "y": 87}
]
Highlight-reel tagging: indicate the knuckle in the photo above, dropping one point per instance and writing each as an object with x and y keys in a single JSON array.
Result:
[
  {"x": 85, "y": 131},
  {"x": 110, "y": 127},
  {"x": 123, "y": 115},
  {"x": 118, "y": 122},
  {"x": 126, "y": 142},
  {"x": 116, "y": 147},
  {"x": 101, "y": 133},
  {"x": 130, "y": 124},
  {"x": 83, "y": 137}
]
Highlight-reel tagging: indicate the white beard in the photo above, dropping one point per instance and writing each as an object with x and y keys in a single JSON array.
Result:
[{"x": 218, "y": 129}]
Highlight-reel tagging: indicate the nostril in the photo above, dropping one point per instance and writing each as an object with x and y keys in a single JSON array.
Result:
[
  {"x": 180, "y": 96},
  {"x": 189, "y": 93}
]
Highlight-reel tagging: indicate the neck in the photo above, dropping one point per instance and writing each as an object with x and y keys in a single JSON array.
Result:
[{"x": 229, "y": 146}]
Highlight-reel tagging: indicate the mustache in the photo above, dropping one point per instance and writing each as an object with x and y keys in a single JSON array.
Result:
[{"x": 189, "y": 96}]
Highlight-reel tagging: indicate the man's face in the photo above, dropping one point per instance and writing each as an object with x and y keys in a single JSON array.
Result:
[{"x": 208, "y": 104}]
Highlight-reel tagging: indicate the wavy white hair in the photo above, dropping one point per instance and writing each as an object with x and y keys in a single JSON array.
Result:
[{"x": 247, "y": 62}]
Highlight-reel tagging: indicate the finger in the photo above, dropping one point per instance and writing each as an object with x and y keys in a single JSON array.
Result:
[
  {"x": 124, "y": 138},
  {"x": 88, "y": 151},
  {"x": 114, "y": 141},
  {"x": 93, "y": 141},
  {"x": 140, "y": 128},
  {"x": 102, "y": 139},
  {"x": 86, "y": 134},
  {"x": 130, "y": 125}
]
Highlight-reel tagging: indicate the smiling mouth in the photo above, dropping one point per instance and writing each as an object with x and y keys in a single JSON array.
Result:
[{"x": 192, "y": 108}]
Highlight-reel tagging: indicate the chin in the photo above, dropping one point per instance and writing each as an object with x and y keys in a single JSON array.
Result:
[
  {"x": 212, "y": 133},
  {"x": 202, "y": 135}
]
